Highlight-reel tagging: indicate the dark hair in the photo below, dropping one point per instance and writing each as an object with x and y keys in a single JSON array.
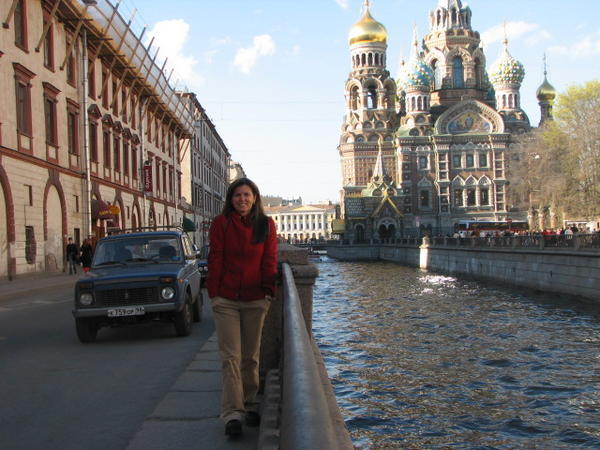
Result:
[{"x": 257, "y": 216}]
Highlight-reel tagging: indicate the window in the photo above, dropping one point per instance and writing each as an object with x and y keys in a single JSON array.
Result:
[
  {"x": 483, "y": 160},
  {"x": 125, "y": 157},
  {"x": 371, "y": 98},
  {"x": 124, "y": 105},
  {"x": 76, "y": 202},
  {"x": 30, "y": 247},
  {"x": 21, "y": 24},
  {"x": 458, "y": 197},
  {"x": 104, "y": 92},
  {"x": 134, "y": 163},
  {"x": 71, "y": 64},
  {"x": 485, "y": 196},
  {"x": 132, "y": 111},
  {"x": 471, "y": 201},
  {"x": 424, "y": 198},
  {"x": 29, "y": 194},
  {"x": 106, "y": 147},
  {"x": 50, "y": 101},
  {"x": 48, "y": 43},
  {"x": 73, "y": 130},
  {"x": 115, "y": 99},
  {"x": 422, "y": 162},
  {"x": 93, "y": 141},
  {"x": 470, "y": 161},
  {"x": 23, "y": 99},
  {"x": 437, "y": 74},
  {"x": 117, "y": 154},
  {"x": 456, "y": 161},
  {"x": 91, "y": 78},
  {"x": 458, "y": 76}
]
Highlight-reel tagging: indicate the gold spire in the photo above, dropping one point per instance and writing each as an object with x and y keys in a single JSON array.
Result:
[
  {"x": 367, "y": 29},
  {"x": 546, "y": 91}
]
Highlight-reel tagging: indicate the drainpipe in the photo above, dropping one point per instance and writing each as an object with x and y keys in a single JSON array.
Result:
[{"x": 86, "y": 144}]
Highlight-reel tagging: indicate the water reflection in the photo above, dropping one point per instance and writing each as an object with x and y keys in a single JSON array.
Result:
[{"x": 423, "y": 360}]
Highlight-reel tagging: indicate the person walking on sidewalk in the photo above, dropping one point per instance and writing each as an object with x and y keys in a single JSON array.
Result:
[
  {"x": 242, "y": 271},
  {"x": 72, "y": 256},
  {"x": 87, "y": 252}
]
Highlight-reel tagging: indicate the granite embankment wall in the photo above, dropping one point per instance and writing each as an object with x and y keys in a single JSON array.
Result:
[{"x": 563, "y": 271}]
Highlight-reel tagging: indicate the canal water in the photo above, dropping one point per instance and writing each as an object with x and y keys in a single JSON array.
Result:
[{"x": 423, "y": 360}]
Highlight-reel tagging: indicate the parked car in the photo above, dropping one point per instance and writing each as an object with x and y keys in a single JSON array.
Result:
[
  {"x": 203, "y": 264},
  {"x": 139, "y": 277}
]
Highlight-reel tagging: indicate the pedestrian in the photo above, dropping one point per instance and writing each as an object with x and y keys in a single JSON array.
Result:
[
  {"x": 72, "y": 256},
  {"x": 242, "y": 271},
  {"x": 87, "y": 252}
]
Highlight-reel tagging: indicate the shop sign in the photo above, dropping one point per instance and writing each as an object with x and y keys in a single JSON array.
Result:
[{"x": 148, "y": 178}]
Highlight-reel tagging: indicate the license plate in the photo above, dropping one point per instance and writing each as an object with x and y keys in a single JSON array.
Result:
[{"x": 127, "y": 311}]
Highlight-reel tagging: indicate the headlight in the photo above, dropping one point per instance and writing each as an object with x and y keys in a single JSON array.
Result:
[
  {"x": 167, "y": 293},
  {"x": 86, "y": 299}
]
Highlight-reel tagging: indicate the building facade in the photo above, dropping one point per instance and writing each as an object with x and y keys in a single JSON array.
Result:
[
  {"x": 90, "y": 133},
  {"x": 303, "y": 223},
  {"x": 205, "y": 165},
  {"x": 431, "y": 148}
]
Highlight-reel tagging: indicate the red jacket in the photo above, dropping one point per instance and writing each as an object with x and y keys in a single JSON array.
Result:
[{"x": 237, "y": 268}]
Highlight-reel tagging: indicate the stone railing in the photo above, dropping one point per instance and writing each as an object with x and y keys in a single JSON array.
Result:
[{"x": 577, "y": 242}]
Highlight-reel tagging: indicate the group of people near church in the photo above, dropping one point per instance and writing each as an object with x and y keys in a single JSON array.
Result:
[{"x": 79, "y": 255}]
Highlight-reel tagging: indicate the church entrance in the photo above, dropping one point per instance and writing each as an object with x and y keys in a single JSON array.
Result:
[{"x": 387, "y": 232}]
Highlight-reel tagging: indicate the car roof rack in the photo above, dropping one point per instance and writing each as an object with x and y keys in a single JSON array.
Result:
[{"x": 113, "y": 231}]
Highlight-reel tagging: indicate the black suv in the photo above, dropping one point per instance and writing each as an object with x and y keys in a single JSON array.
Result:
[{"x": 139, "y": 277}]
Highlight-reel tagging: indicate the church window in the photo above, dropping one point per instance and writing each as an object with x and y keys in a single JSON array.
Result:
[
  {"x": 439, "y": 17},
  {"x": 483, "y": 160},
  {"x": 470, "y": 161},
  {"x": 420, "y": 103},
  {"x": 458, "y": 197},
  {"x": 370, "y": 59},
  {"x": 458, "y": 72},
  {"x": 376, "y": 59},
  {"x": 504, "y": 101},
  {"x": 510, "y": 101},
  {"x": 354, "y": 98},
  {"x": 453, "y": 16},
  {"x": 371, "y": 98},
  {"x": 484, "y": 196},
  {"x": 437, "y": 74},
  {"x": 471, "y": 197},
  {"x": 363, "y": 59},
  {"x": 422, "y": 162},
  {"x": 413, "y": 105},
  {"x": 456, "y": 161},
  {"x": 478, "y": 74},
  {"x": 516, "y": 100},
  {"x": 424, "y": 198}
]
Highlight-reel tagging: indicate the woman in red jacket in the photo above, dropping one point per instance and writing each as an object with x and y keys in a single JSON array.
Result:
[{"x": 242, "y": 271}]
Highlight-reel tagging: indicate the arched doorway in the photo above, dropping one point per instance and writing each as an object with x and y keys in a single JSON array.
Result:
[
  {"x": 359, "y": 233},
  {"x": 53, "y": 246}
]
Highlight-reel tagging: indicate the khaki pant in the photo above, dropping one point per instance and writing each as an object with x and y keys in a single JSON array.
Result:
[{"x": 239, "y": 329}]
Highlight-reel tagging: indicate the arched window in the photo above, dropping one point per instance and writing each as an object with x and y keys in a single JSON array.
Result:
[
  {"x": 478, "y": 74},
  {"x": 376, "y": 59},
  {"x": 371, "y": 97},
  {"x": 370, "y": 59},
  {"x": 458, "y": 76},
  {"x": 510, "y": 101},
  {"x": 453, "y": 16},
  {"x": 354, "y": 98},
  {"x": 504, "y": 101},
  {"x": 420, "y": 103},
  {"x": 439, "y": 17},
  {"x": 516, "y": 100},
  {"x": 413, "y": 105},
  {"x": 363, "y": 59},
  {"x": 437, "y": 74}
]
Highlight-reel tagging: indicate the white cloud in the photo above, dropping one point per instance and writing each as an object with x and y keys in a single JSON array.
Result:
[
  {"x": 170, "y": 36},
  {"x": 342, "y": 3},
  {"x": 537, "y": 38},
  {"x": 514, "y": 30},
  {"x": 209, "y": 55},
  {"x": 295, "y": 51},
  {"x": 584, "y": 48},
  {"x": 246, "y": 58}
]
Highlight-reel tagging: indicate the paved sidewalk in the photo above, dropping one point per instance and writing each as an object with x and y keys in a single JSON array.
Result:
[
  {"x": 188, "y": 416},
  {"x": 36, "y": 282}
]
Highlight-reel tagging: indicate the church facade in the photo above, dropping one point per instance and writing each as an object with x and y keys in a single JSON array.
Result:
[{"x": 432, "y": 148}]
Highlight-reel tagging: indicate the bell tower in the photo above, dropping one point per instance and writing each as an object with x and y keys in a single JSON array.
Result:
[{"x": 370, "y": 94}]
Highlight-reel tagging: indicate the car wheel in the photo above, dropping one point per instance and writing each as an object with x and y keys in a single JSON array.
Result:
[
  {"x": 183, "y": 318},
  {"x": 87, "y": 329}
]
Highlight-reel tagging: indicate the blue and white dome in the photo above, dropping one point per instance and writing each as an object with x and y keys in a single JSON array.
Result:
[{"x": 415, "y": 74}]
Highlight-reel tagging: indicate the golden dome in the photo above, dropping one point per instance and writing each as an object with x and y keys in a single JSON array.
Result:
[
  {"x": 546, "y": 91},
  {"x": 367, "y": 30}
]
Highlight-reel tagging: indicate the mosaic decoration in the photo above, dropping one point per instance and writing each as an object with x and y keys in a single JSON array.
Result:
[
  {"x": 507, "y": 70},
  {"x": 415, "y": 73}
]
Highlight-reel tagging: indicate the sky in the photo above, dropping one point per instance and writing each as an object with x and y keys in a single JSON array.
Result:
[{"x": 271, "y": 73}]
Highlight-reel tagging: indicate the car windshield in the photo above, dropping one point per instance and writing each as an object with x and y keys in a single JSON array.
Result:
[{"x": 156, "y": 249}]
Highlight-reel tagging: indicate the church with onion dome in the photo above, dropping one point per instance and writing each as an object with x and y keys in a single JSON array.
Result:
[{"x": 431, "y": 147}]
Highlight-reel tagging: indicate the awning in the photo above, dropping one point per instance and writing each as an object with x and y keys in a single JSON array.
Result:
[
  {"x": 104, "y": 211},
  {"x": 188, "y": 225}
]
